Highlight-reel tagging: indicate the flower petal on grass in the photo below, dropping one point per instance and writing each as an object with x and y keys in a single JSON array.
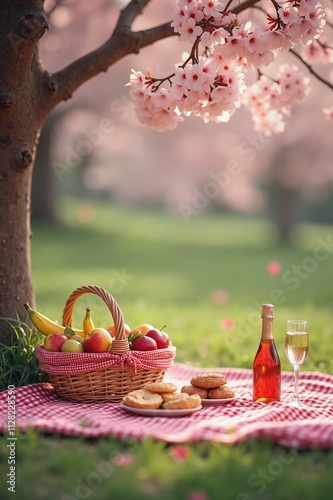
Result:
[{"x": 274, "y": 267}]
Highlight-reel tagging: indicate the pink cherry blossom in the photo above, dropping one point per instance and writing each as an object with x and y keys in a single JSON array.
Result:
[
  {"x": 161, "y": 120},
  {"x": 255, "y": 41},
  {"x": 288, "y": 13},
  {"x": 328, "y": 112},
  {"x": 210, "y": 7},
  {"x": 189, "y": 30},
  {"x": 278, "y": 40},
  {"x": 202, "y": 86},
  {"x": 269, "y": 121},
  {"x": 294, "y": 85},
  {"x": 317, "y": 53},
  {"x": 199, "y": 77},
  {"x": 189, "y": 5}
]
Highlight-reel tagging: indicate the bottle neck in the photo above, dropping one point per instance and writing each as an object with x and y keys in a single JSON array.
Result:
[{"x": 267, "y": 328}]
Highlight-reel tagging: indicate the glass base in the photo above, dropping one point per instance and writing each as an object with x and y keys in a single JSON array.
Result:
[{"x": 296, "y": 403}]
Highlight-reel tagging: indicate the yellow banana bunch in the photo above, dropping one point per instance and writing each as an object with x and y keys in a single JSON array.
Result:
[
  {"x": 45, "y": 325},
  {"x": 88, "y": 324}
]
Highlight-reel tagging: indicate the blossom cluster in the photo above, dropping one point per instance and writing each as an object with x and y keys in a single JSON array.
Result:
[
  {"x": 270, "y": 101},
  {"x": 211, "y": 91},
  {"x": 210, "y": 81}
]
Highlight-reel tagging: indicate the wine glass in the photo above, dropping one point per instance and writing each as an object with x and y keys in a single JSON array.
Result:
[{"x": 297, "y": 347}]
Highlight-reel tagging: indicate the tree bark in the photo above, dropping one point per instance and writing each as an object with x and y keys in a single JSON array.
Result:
[
  {"x": 285, "y": 202},
  {"x": 22, "y": 24},
  {"x": 44, "y": 189}
]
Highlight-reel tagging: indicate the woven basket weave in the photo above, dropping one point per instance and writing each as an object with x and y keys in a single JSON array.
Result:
[{"x": 102, "y": 377}]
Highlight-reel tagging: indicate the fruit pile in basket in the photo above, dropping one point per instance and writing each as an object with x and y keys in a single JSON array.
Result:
[{"x": 60, "y": 338}]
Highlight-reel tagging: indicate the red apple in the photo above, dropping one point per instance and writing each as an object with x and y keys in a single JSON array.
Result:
[
  {"x": 99, "y": 340},
  {"x": 161, "y": 338},
  {"x": 54, "y": 342},
  {"x": 144, "y": 343}
]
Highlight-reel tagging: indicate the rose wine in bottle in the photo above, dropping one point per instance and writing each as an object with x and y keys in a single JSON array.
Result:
[{"x": 266, "y": 364}]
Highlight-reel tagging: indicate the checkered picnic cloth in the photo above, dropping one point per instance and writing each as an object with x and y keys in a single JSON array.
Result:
[{"x": 38, "y": 407}]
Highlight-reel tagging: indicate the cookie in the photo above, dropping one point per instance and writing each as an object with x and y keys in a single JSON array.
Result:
[
  {"x": 160, "y": 387},
  {"x": 208, "y": 380},
  {"x": 193, "y": 401},
  {"x": 171, "y": 396},
  {"x": 143, "y": 399},
  {"x": 189, "y": 389},
  {"x": 222, "y": 392}
]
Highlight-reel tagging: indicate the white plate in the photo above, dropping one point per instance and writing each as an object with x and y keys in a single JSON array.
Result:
[
  {"x": 218, "y": 402},
  {"x": 160, "y": 412}
]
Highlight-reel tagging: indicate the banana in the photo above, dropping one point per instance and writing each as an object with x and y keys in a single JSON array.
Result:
[
  {"x": 88, "y": 324},
  {"x": 45, "y": 325}
]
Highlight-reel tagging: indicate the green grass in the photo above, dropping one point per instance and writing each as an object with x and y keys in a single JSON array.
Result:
[
  {"x": 164, "y": 271},
  {"x": 18, "y": 363}
]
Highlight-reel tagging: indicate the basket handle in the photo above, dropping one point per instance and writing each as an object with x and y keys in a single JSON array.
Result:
[{"x": 120, "y": 344}]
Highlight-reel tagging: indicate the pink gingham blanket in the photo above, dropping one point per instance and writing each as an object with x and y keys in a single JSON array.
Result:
[{"x": 38, "y": 407}]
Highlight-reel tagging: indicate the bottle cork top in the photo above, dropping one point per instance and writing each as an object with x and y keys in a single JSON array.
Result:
[{"x": 267, "y": 311}]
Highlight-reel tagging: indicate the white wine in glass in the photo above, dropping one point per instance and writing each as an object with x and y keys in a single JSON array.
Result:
[{"x": 297, "y": 347}]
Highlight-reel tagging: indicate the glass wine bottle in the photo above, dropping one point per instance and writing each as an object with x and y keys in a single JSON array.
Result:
[{"x": 266, "y": 364}]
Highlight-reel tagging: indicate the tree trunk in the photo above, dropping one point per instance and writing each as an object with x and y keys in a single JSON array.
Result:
[
  {"x": 21, "y": 27},
  {"x": 44, "y": 189},
  {"x": 285, "y": 201}
]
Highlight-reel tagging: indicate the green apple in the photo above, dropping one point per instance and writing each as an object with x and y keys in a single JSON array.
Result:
[
  {"x": 72, "y": 346},
  {"x": 78, "y": 338}
]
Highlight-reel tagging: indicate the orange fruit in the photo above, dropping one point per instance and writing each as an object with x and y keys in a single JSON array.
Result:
[
  {"x": 112, "y": 330},
  {"x": 144, "y": 328}
]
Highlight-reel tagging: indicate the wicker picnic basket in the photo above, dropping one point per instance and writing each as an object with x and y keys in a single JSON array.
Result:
[{"x": 102, "y": 377}]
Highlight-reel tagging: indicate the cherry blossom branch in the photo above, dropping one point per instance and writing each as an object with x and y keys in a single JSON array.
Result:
[
  {"x": 324, "y": 46},
  {"x": 122, "y": 42},
  {"x": 328, "y": 23},
  {"x": 261, "y": 73},
  {"x": 244, "y": 5},
  {"x": 311, "y": 70},
  {"x": 193, "y": 57},
  {"x": 227, "y": 6},
  {"x": 57, "y": 4}
]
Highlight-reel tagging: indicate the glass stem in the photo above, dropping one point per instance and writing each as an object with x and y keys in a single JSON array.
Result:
[{"x": 296, "y": 373}]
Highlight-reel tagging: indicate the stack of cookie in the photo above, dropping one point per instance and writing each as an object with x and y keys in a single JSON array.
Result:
[
  {"x": 162, "y": 395},
  {"x": 209, "y": 386}
]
